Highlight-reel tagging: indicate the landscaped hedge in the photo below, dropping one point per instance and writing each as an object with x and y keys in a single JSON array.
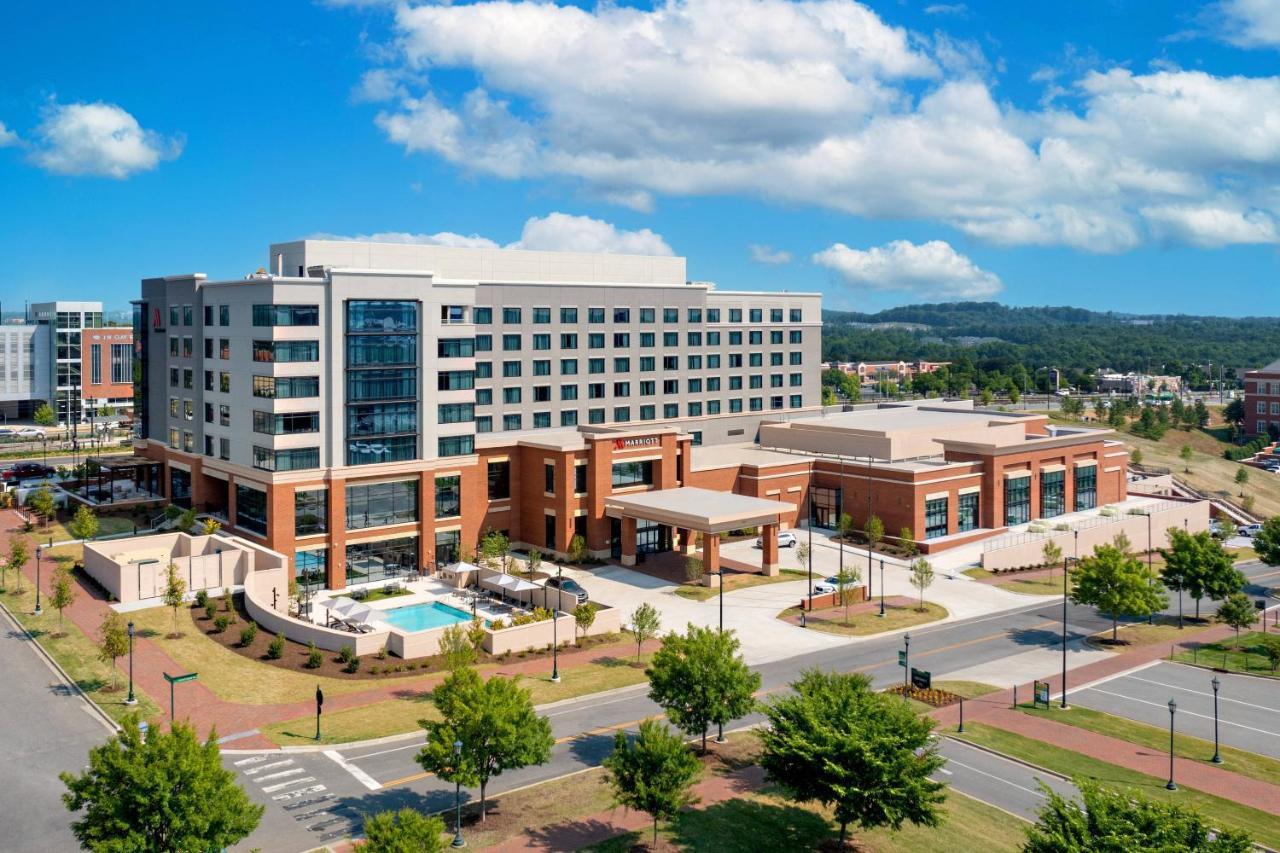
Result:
[{"x": 1245, "y": 451}]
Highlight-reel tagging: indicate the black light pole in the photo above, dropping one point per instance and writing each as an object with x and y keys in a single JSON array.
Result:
[
  {"x": 457, "y": 798},
  {"x": 868, "y": 513},
  {"x": 1217, "y": 756},
  {"x": 1173, "y": 707},
  {"x": 555, "y": 637},
  {"x": 38, "y": 611},
  {"x": 131, "y": 700},
  {"x": 319, "y": 705},
  {"x": 1184, "y": 530},
  {"x": 906, "y": 659},
  {"x": 720, "y": 574},
  {"x": 1066, "y": 571},
  {"x": 881, "y": 613},
  {"x": 803, "y": 617},
  {"x": 840, "y": 514}
]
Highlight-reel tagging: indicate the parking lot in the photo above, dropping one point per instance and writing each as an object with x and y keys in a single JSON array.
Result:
[{"x": 1248, "y": 707}]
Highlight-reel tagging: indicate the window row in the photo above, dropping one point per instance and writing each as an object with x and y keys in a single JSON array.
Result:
[
  {"x": 514, "y": 342},
  {"x": 623, "y": 414},
  {"x": 515, "y": 394},
  {"x": 647, "y": 364},
  {"x": 514, "y": 315},
  {"x": 286, "y": 315}
]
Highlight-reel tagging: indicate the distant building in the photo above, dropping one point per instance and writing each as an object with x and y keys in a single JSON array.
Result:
[
  {"x": 1140, "y": 384},
  {"x": 1262, "y": 399},
  {"x": 871, "y": 372}
]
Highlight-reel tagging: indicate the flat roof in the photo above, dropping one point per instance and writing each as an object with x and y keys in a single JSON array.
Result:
[
  {"x": 704, "y": 510},
  {"x": 748, "y": 453},
  {"x": 898, "y": 419}
]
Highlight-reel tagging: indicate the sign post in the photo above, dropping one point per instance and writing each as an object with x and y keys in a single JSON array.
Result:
[
  {"x": 319, "y": 705},
  {"x": 921, "y": 679},
  {"x": 176, "y": 679},
  {"x": 1041, "y": 694}
]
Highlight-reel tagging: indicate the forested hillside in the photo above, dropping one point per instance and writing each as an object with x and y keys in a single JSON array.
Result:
[{"x": 995, "y": 337}]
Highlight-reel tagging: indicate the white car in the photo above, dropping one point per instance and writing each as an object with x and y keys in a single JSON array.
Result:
[
  {"x": 31, "y": 432},
  {"x": 822, "y": 587},
  {"x": 1249, "y": 530},
  {"x": 785, "y": 540}
]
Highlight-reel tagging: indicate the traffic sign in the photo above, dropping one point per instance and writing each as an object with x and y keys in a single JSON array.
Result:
[
  {"x": 178, "y": 679},
  {"x": 902, "y": 658}
]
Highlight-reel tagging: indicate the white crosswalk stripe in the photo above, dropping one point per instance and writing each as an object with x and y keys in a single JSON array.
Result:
[{"x": 271, "y": 789}]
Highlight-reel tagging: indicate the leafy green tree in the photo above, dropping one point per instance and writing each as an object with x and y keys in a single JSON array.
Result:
[
  {"x": 1052, "y": 555},
  {"x": 584, "y": 616},
  {"x": 175, "y": 590},
  {"x": 1242, "y": 478},
  {"x": 1115, "y": 582},
  {"x": 653, "y": 774},
  {"x": 64, "y": 594},
  {"x": 1238, "y": 612},
  {"x": 535, "y": 561},
  {"x": 456, "y": 647},
  {"x": 846, "y": 582},
  {"x": 1136, "y": 455},
  {"x": 1185, "y": 453},
  {"x": 167, "y": 793},
  {"x": 802, "y": 555},
  {"x": 907, "y": 539},
  {"x": 84, "y": 524},
  {"x": 921, "y": 578},
  {"x": 701, "y": 680},
  {"x": 577, "y": 549},
  {"x": 1198, "y": 564},
  {"x": 845, "y": 525},
  {"x": 866, "y": 755},
  {"x": 19, "y": 553},
  {"x": 493, "y": 549},
  {"x": 41, "y": 503},
  {"x": 1107, "y": 820},
  {"x": 1234, "y": 412},
  {"x": 113, "y": 641},
  {"x": 44, "y": 415},
  {"x": 874, "y": 531},
  {"x": 1267, "y": 541},
  {"x": 1269, "y": 645},
  {"x": 645, "y": 624},
  {"x": 187, "y": 520},
  {"x": 496, "y": 724},
  {"x": 828, "y": 396},
  {"x": 404, "y": 831}
]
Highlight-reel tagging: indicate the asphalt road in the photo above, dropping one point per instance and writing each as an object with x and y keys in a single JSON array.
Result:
[
  {"x": 1248, "y": 711},
  {"x": 46, "y": 728}
]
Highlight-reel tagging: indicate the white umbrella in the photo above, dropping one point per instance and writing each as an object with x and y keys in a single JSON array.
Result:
[
  {"x": 359, "y": 613},
  {"x": 342, "y": 605}
]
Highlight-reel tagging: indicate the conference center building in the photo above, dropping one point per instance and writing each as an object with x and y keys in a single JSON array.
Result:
[{"x": 370, "y": 410}]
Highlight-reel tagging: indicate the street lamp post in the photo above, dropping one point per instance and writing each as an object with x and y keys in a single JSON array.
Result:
[
  {"x": 906, "y": 660},
  {"x": 803, "y": 617},
  {"x": 840, "y": 514},
  {"x": 1217, "y": 755},
  {"x": 868, "y": 521},
  {"x": 457, "y": 797},
  {"x": 131, "y": 700},
  {"x": 720, "y": 574},
  {"x": 555, "y": 637},
  {"x": 1173, "y": 707},
  {"x": 881, "y": 613},
  {"x": 1066, "y": 571},
  {"x": 38, "y": 611}
]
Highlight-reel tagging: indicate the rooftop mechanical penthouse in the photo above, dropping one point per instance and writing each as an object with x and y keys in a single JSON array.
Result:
[{"x": 349, "y": 407}]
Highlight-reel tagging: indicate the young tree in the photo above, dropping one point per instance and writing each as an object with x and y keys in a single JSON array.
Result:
[
  {"x": 1052, "y": 555},
  {"x": 921, "y": 578},
  {"x": 84, "y": 524},
  {"x": 1185, "y": 453},
  {"x": 866, "y": 755},
  {"x": 584, "y": 616},
  {"x": 1116, "y": 582},
  {"x": 44, "y": 416},
  {"x": 874, "y": 531},
  {"x": 175, "y": 590},
  {"x": 654, "y": 774},
  {"x": 19, "y": 553},
  {"x": 1267, "y": 541},
  {"x": 845, "y": 525},
  {"x": 577, "y": 549},
  {"x": 535, "y": 561},
  {"x": 496, "y": 724},
  {"x": 1270, "y": 647},
  {"x": 1242, "y": 478},
  {"x": 700, "y": 679},
  {"x": 187, "y": 519},
  {"x": 645, "y": 624},
  {"x": 1237, "y": 611},
  {"x": 846, "y": 582},
  {"x": 802, "y": 555},
  {"x": 1199, "y": 565},
  {"x": 405, "y": 831},
  {"x": 41, "y": 503},
  {"x": 169, "y": 792},
  {"x": 1136, "y": 455},
  {"x": 64, "y": 594},
  {"x": 113, "y": 641},
  {"x": 907, "y": 539},
  {"x": 1107, "y": 819},
  {"x": 493, "y": 549},
  {"x": 456, "y": 647}
]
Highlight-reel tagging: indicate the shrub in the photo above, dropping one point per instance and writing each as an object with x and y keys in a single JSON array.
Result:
[
  {"x": 541, "y": 614},
  {"x": 353, "y": 665},
  {"x": 248, "y": 635},
  {"x": 346, "y": 654},
  {"x": 382, "y": 654},
  {"x": 693, "y": 570},
  {"x": 314, "y": 658},
  {"x": 209, "y": 609},
  {"x": 202, "y": 599},
  {"x": 226, "y": 598},
  {"x": 373, "y": 670},
  {"x": 275, "y": 651},
  {"x": 220, "y": 624},
  {"x": 497, "y": 624}
]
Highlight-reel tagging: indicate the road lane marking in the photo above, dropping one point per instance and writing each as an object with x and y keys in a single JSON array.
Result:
[
  {"x": 1203, "y": 693},
  {"x": 271, "y": 789},
  {"x": 1039, "y": 794},
  {"x": 293, "y": 795},
  {"x": 280, "y": 774},
  {"x": 253, "y": 771},
  {"x": 361, "y": 777},
  {"x": 254, "y": 760},
  {"x": 1192, "y": 713}
]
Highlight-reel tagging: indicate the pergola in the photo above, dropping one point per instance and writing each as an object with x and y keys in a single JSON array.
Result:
[
  {"x": 705, "y": 511},
  {"x": 136, "y": 473}
]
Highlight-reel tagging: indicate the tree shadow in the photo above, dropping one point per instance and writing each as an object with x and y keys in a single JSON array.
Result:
[
  {"x": 748, "y": 825},
  {"x": 412, "y": 695},
  {"x": 580, "y": 834},
  {"x": 592, "y": 749}
]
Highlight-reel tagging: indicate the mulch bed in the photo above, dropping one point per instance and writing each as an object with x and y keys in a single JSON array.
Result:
[
  {"x": 933, "y": 697},
  {"x": 296, "y": 654}
]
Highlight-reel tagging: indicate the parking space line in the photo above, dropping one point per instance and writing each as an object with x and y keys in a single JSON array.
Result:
[
  {"x": 1206, "y": 693},
  {"x": 1192, "y": 713}
]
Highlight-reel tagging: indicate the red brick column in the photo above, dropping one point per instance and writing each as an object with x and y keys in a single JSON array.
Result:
[
  {"x": 336, "y": 563},
  {"x": 628, "y": 541},
  {"x": 769, "y": 541},
  {"x": 711, "y": 558}
]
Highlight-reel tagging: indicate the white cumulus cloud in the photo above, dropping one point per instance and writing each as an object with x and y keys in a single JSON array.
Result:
[
  {"x": 1251, "y": 23},
  {"x": 555, "y": 232},
  {"x": 824, "y": 103},
  {"x": 98, "y": 139},
  {"x": 1211, "y": 226},
  {"x": 768, "y": 255},
  {"x": 7, "y": 136},
  {"x": 932, "y": 270}
]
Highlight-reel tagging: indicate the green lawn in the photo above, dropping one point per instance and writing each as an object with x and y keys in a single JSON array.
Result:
[
  {"x": 77, "y": 654},
  {"x": 736, "y": 581},
  {"x": 107, "y": 526},
  {"x": 1247, "y": 657},
  {"x": 1264, "y": 827},
  {"x": 1236, "y": 760},
  {"x": 1033, "y": 586},
  {"x": 967, "y": 689},
  {"x": 867, "y": 623}
]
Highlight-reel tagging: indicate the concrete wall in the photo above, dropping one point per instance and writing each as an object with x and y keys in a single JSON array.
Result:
[
  {"x": 257, "y": 601},
  {"x": 209, "y": 563},
  {"x": 1030, "y": 550}
]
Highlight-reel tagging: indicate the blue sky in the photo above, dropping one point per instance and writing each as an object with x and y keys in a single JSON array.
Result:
[{"x": 1119, "y": 155}]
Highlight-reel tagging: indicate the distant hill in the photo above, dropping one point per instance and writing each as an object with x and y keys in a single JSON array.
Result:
[{"x": 996, "y": 336}]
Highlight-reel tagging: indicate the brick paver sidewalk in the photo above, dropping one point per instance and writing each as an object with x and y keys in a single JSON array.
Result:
[
  {"x": 996, "y": 710},
  {"x": 198, "y": 705}
]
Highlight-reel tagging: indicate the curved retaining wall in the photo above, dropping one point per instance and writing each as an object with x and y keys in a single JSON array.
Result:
[{"x": 257, "y": 601}]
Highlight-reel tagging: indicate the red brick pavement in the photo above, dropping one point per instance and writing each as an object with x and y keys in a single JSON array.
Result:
[
  {"x": 200, "y": 706},
  {"x": 996, "y": 709}
]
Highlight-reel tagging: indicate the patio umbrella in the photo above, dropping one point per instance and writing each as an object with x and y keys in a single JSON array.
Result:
[
  {"x": 360, "y": 613},
  {"x": 342, "y": 605}
]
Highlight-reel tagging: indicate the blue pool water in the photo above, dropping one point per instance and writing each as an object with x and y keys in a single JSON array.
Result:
[{"x": 423, "y": 617}]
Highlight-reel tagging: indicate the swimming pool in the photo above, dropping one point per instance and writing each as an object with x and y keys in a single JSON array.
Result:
[{"x": 423, "y": 617}]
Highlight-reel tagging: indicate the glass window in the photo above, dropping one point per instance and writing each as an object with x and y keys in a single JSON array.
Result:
[
  {"x": 568, "y": 418},
  {"x": 541, "y": 342},
  {"x": 1017, "y": 500},
  {"x": 224, "y": 315},
  {"x": 647, "y": 315},
  {"x": 456, "y": 347},
  {"x": 695, "y": 315},
  {"x": 735, "y": 315},
  {"x": 671, "y": 315},
  {"x": 286, "y": 423},
  {"x": 633, "y": 474},
  {"x": 378, "y": 504},
  {"x": 595, "y": 340},
  {"x": 266, "y": 459},
  {"x": 483, "y": 316},
  {"x": 622, "y": 315},
  {"x": 484, "y": 423},
  {"x": 381, "y": 350},
  {"x": 541, "y": 315},
  {"x": 499, "y": 480},
  {"x": 935, "y": 514},
  {"x": 511, "y": 316},
  {"x": 381, "y": 315},
  {"x": 595, "y": 315},
  {"x": 549, "y": 479},
  {"x": 967, "y": 512},
  {"x": 796, "y": 315},
  {"x": 713, "y": 315},
  {"x": 456, "y": 445},
  {"x": 286, "y": 315},
  {"x": 541, "y": 420},
  {"x": 775, "y": 315},
  {"x": 756, "y": 315},
  {"x": 484, "y": 343},
  {"x": 568, "y": 367},
  {"x": 448, "y": 497},
  {"x": 390, "y": 384},
  {"x": 367, "y": 419},
  {"x": 1086, "y": 487},
  {"x": 448, "y": 546},
  {"x": 310, "y": 511},
  {"x": 399, "y": 448},
  {"x": 512, "y": 394},
  {"x": 286, "y": 351},
  {"x": 456, "y": 413},
  {"x": 1052, "y": 493},
  {"x": 446, "y": 380},
  {"x": 511, "y": 368},
  {"x": 309, "y": 568},
  {"x": 568, "y": 315},
  {"x": 511, "y": 343},
  {"x": 595, "y": 416},
  {"x": 251, "y": 509},
  {"x": 568, "y": 392},
  {"x": 511, "y": 422},
  {"x": 369, "y": 562}
]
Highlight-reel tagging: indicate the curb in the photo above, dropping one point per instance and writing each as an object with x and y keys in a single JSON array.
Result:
[
  {"x": 1270, "y": 678},
  {"x": 998, "y": 754},
  {"x": 97, "y": 712}
]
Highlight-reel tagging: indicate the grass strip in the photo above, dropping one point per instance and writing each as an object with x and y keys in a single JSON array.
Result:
[
  {"x": 1226, "y": 654},
  {"x": 896, "y": 617},
  {"x": 734, "y": 582}
]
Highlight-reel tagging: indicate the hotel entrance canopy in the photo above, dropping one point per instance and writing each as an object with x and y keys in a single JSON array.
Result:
[{"x": 701, "y": 510}]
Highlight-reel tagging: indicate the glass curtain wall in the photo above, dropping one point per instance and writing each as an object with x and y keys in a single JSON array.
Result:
[
  {"x": 382, "y": 381},
  {"x": 370, "y": 562}
]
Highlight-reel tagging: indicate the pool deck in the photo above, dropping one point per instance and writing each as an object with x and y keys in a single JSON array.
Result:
[{"x": 422, "y": 591}]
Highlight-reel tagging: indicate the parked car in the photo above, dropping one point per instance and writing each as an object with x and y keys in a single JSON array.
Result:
[
  {"x": 569, "y": 585},
  {"x": 27, "y": 471},
  {"x": 822, "y": 587},
  {"x": 1249, "y": 530},
  {"x": 785, "y": 540},
  {"x": 30, "y": 432}
]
